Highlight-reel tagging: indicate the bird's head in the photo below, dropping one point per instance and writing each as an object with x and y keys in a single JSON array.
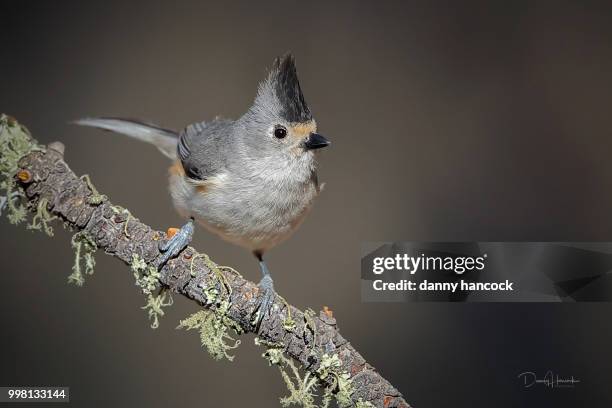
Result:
[{"x": 279, "y": 123}]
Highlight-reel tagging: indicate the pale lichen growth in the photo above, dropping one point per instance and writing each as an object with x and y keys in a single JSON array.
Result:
[
  {"x": 363, "y": 404},
  {"x": 211, "y": 290},
  {"x": 137, "y": 265},
  {"x": 84, "y": 261},
  {"x": 17, "y": 212},
  {"x": 146, "y": 276},
  {"x": 147, "y": 279},
  {"x": 95, "y": 198},
  {"x": 334, "y": 382},
  {"x": 42, "y": 218},
  {"x": 119, "y": 210},
  {"x": 288, "y": 323},
  {"x": 213, "y": 327},
  {"x": 155, "y": 305},
  {"x": 15, "y": 143},
  {"x": 339, "y": 383},
  {"x": 309, "y": 321},
  {"x": 301, "y": 388}
]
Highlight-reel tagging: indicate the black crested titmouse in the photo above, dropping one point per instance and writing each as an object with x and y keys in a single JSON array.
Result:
[{"x": 251, "y": 180}]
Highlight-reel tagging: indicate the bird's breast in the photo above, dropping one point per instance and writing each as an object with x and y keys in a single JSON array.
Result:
[{"x": 256, "y": 213}]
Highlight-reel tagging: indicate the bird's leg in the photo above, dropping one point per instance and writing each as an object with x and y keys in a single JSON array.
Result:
[
  {"x": 175, "y": 244},
  {"x": 266, "y": 284}
]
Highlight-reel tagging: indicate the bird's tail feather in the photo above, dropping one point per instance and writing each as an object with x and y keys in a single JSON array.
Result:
[{"x": 165, "y": 140}]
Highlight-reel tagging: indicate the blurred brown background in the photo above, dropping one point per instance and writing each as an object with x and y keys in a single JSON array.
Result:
[{"x": 449, "y": 121}]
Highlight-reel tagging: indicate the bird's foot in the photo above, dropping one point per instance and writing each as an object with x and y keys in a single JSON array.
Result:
[
  {"x": 178, "y": 239},
  {"x": 266, "y": 285}
]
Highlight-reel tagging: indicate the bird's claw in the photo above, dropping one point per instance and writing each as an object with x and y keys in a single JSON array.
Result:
[
  {"x": 173, "y": 246},
  {"x": 266, "y": 284}
]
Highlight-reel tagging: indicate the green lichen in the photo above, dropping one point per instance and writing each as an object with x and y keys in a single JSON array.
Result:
[
  {"x": 301, "y": 388},
  {"x": 214, "y": 288},
  {"x": 146, "y": 276},
  {"x": 216, "y": 270},
  {"x": 213, "y": 327},
  {"x": 335, "y": 382},
  {"x": 155, "y": 305},
  {"x": 42, "y": 218},
  {"x": 147, "y": 279},
  {"x": 118, "y": 210},
  {"x": 330, "y": 364},
  {"x": 137, "y": 265},
  {"x": 269, "y": 345},
  {"x": 17, "y": 212},
  {"x": 84, "y": 261},
  {"x": 288, "y": 323},
  {"x": 339, "y": 383},
  {"x": 95, "y": 198},
  {"x": 363, "y": 404},
  {"x": 125, "y": 226},
  {"x": 15, "y": 143}
]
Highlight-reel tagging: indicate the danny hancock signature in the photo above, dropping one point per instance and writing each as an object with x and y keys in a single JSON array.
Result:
[{"x": 550, "y": 380}]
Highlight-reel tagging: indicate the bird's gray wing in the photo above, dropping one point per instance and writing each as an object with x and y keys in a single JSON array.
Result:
[{"x": 200, "y": 148}]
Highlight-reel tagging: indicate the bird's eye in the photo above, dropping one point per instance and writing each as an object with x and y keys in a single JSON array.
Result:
[{"x": 280, "y": 132}]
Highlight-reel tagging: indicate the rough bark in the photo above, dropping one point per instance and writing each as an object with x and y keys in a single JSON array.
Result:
[{"x": 49, "y": 178}]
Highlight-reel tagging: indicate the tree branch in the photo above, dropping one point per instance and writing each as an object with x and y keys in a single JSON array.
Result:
[{"x": 50, "y": 186}]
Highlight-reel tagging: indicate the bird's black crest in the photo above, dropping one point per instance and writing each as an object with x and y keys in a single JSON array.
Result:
[{"x": 288, "y": 91}]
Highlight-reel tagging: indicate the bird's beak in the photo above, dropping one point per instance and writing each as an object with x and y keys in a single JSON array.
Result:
[{"x": 315, "y": 141}]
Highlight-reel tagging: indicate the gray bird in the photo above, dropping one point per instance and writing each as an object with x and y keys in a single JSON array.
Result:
[{"x": 250, "y": 181}]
